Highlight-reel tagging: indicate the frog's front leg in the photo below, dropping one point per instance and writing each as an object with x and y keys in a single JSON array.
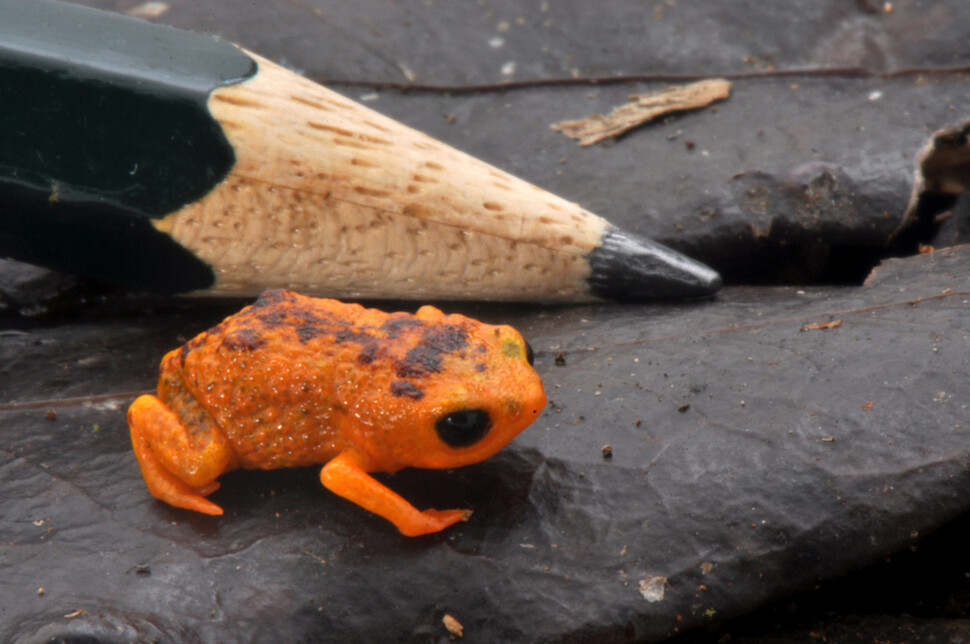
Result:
[
  {"x": 179, "y": 464},
  {"x": 345, "y": 477}
]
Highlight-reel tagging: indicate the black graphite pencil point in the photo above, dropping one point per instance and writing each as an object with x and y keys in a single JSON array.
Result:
[{"x": 630, "y": 268}]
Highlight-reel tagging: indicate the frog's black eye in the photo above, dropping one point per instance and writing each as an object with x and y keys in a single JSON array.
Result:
[
  {"x": 464, "y": 427},
  {"x": 530, "y": 355}
]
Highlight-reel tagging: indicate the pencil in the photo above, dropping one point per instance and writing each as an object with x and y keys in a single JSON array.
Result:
[{"x": 174, "y": 162}]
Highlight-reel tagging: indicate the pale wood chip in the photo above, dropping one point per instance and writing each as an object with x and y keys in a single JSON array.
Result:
[
  {"x": 834, "y": 324},
  {"x": 453, "y": 625},
  {"x": 644, "y": 108},
  {"x": 149, "y": 10}
]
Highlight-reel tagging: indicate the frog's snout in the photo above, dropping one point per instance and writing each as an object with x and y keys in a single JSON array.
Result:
[{"x": 535, "y": 403}]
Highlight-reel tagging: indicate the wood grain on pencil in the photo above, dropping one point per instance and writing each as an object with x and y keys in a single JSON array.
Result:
[{"x": 332, "y": 197}]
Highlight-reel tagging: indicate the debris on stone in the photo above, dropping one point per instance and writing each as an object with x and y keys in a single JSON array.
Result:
[{"x": 643, "y": 109}]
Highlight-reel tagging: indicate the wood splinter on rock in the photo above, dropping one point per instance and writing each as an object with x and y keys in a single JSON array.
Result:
[
  {"x": 453, "y": 625},
  {"x": 643, "y": 109}
]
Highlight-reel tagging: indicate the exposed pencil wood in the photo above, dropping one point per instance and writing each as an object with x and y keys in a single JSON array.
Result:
[{"x": 328, "y": 196}]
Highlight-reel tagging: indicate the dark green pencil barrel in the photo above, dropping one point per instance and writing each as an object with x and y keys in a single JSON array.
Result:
[{"x": 104, "y": 125}]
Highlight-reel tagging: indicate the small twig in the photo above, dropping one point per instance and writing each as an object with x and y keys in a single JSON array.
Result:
[
  {"x": 644, "y": 108},
  {"x": 625, "y": 79}
]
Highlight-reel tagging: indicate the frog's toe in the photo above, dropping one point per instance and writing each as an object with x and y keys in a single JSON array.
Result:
[
  {"x": 208, "y": 489},
  {"x": 434, "y": 521},
  {"x": 173, "y": 491},
  {"x": 193, "y": 498},
  {"x": 448, "y": 516},
  {"x": 197, "y": 503}
]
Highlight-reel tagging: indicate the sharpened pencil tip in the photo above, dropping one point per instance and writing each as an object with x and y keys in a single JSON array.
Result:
[{"x": 628, "y": 267}]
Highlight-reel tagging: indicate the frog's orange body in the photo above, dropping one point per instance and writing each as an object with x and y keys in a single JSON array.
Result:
[{"x": 294, "y": 380}]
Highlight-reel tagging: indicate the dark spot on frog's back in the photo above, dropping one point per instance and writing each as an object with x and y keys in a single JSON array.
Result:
[
  {"x": 352, "y": 335},
  {"x": 306, "y": 332},
  {"x": 445, "y": 338},
  {"x": 404, "y": 389},
  {"x": 305, "y": 321},
  {"x": 425, "y": 357},
  {"x": 397, "y": 323},
  {"x": 368, "y": 353},
  {"x": 419, "y": 361},
  {"x": 195, "y": 342},
  {"x": 243, "y": 340},
  {"x": 272, "y": 318},
  {"x": 274, "y": 296}
]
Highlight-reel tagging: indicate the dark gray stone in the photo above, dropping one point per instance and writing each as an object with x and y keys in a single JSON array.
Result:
[
  {"x": 752, "y": 455},
  {"x": 754, "y": 452}
]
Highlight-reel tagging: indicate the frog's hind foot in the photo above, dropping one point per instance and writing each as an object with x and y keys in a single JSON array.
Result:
[
  {"x": 165, "y": 486},
  {"x": 147, "y": 417}
]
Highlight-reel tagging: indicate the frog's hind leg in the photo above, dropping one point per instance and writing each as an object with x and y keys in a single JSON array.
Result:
[{"x": 179, "y": 464}]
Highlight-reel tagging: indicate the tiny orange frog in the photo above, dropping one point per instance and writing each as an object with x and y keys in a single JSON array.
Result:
[{"x": 293, "y": 381}]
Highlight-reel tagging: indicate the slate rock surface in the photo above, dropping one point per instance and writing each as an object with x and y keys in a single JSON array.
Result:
[{"x": 760, "y": 443}]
